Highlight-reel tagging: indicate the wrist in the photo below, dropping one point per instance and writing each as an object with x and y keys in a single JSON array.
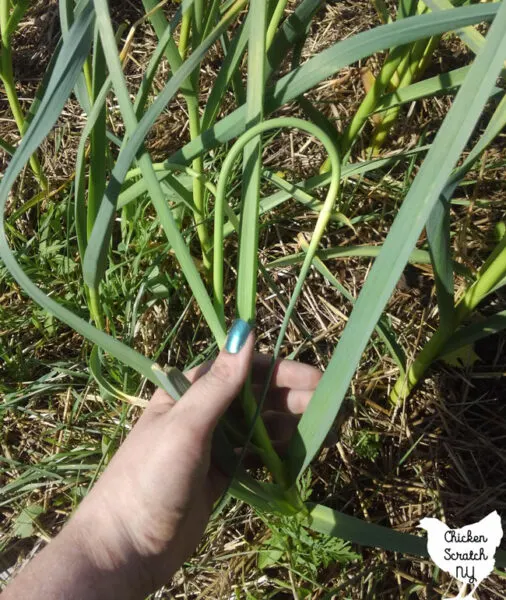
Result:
[
  {"x": 80, "y": 564},
  {"x": 108, "y": 559}
]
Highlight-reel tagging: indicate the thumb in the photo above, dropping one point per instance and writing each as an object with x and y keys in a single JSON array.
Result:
[{"x": 211, "y": 395}]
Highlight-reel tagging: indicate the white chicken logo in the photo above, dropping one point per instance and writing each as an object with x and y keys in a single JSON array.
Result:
[{"x": 466, "y": 553}]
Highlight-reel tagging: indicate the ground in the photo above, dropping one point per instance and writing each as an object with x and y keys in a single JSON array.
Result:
[{"x": 440, "y": 453}]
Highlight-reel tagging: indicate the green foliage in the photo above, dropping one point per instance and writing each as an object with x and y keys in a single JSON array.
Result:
[
  {"x": 367, "y": 445},
  {"x": 25, "y": 523},
  {"x": 138, "y": 230},
  {"x": 304, "y": 552}
]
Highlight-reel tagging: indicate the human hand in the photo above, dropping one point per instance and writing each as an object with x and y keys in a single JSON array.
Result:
[{"x": 149, "y": 509}]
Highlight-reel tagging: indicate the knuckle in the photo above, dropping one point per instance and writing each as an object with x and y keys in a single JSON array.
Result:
[
  {"x": 189, "y": 431},
  {"x": 160, "y": 403},
  {"x": 220, "y": 373}
]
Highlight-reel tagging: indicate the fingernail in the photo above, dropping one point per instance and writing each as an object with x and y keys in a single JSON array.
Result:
[{"x": 237, "y": 336}]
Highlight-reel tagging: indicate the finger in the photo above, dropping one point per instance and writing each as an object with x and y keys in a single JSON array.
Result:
[
  {"x": 284, "y": 400},
  {"x": 286, "y": 374},
  {"x": 209, "y": 397},
  {"x": 159, "y": 404},
  {"x": 218, "y": 484},
  {"x": 196, "y": 372}
]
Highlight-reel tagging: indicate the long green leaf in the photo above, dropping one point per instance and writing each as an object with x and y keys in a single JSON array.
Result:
[
  {"x": 80, "y": 217},
  {"x": 407, "y": 8},
  {"x": 192, "y": 15},
  {"x": 469, "y": 35},
  {"x": 445, "y": 83},
  {"x": 476, "y": 331},
  {"x": 416, "y": 256},
  {"x": 98, "y": 151},
  {"x": 42, "y": 86},
  {"x": 178, "y": 188},
  {"x": 334, "y": 523},
  {"x": 162, "y": 28},
  {"x": 229, "y": 67},
  {"x": 291, "y": 32},
  {"x": 252, "y": 166},
  {"x": 438, "y": 239},
  {"x": 67, "y": 16},
  {"x": 104, "y": 229},
  {"x": 438, "y": 224},
  {"x": 337, "y": 524},
  {"x": 424, "y": 192},
  {"x": 6, "y": 147}
]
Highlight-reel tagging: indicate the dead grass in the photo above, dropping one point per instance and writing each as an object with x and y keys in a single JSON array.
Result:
[{"x": 439, "y": 454}]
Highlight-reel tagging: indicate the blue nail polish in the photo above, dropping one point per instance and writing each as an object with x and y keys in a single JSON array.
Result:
[{"x": 237, "y": 336}]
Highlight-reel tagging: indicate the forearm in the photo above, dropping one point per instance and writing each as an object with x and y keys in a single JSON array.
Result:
[
  {"x": 148, "y": 511},
  {"x": 76, "y": 566}
]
